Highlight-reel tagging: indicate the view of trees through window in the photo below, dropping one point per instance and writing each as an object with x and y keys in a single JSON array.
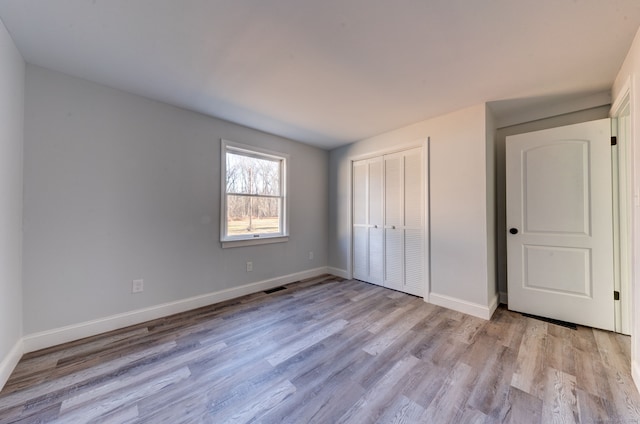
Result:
[{"x": 253, "y": 195}]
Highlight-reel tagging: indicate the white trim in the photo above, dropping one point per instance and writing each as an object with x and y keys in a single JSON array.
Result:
[
  {"x": 622, "y": 203},
  {"x": 493, "y": 305},
  {"x": 349, "y": 186},
  {"x": 42, "y": 340},
  {"x": 343, "y": 273},
  {"x": 426, "y": 181},
  {"x": 396, "y": 148},
  {"x": 8, "y": 364},
  {"x": 622, "y": 99},
  {"x": 635, "y": 374},
  {"x": 548, "y": 109},
  {"x": 252, "y": 242},
  {"x": 469, "y": 308},
  {"x": 249, "y": 240},
  {"x": 503, "y": 298}
]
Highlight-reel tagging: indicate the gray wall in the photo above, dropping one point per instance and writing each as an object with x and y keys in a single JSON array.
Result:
[
  {"x": 501, "y": 134},
  {"x": 119, "y": 187},
  {"x": 11, "y": 136},
  {"x": 461, "y": 189}
]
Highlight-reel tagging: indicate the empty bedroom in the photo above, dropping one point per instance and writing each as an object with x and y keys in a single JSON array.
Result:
[{"x": 347, "y": 211}]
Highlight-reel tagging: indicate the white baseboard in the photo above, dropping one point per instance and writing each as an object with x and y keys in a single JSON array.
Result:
[
  {"x": 45, "y": 339},
  {"x": 10, "y": 361},
  {"x": 469, "y": 308},
  {"x": 635, "y": 373},
  {"x": 493, "y": 305},
  {"x": 343, "y": 273},
  {"x": 504, "y": 298}
]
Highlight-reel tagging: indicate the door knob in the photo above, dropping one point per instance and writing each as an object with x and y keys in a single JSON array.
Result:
[{"x": 513, "y": 230}]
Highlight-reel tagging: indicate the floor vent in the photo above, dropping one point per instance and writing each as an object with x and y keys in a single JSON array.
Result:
[
  {"x": 552, "y": 321},
  {"x": 273, "y": 290}
]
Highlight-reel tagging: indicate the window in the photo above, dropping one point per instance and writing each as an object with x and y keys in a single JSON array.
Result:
[{"x": 254, "y": 202}]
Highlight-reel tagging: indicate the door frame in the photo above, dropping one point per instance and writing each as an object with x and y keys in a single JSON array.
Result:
[
  {"x": 622, "y": 207},
  {"x": 424, "y": 143}
]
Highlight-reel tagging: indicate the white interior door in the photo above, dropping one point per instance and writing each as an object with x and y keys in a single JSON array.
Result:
[{"x": 559, "y": 218}]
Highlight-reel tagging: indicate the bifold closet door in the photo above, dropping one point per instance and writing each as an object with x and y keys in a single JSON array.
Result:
[
  {"x": 388, "y": 221},
  {"x": 404, "y": 227},
  {"x": 368, "y": 242}
]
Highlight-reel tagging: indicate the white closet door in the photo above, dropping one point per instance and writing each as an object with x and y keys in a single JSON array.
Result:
[
  {"x": 414, "y": 282},
  {"x": 394, "y": 221},
  {"x": 388, "y": 223}
]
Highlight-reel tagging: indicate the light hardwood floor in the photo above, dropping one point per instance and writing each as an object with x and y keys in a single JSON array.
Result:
[{"x": 329, "y": 351}]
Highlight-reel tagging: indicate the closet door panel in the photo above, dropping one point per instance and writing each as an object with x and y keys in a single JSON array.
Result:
[
  {"x": 376, "y": 255},
  {"x": 360, "y": 171},
  {"x": 413, "y": 189},
  {"x": 376, "y": 191},
  {"x": 393, "y": 260},
  {"x": 376, "y": 241},
  {"x": 414, "y": 262},
  {"x": 360, "y": 215},
  {"x": 393, "y": 204},
  {"x": 361, "y": 253}
]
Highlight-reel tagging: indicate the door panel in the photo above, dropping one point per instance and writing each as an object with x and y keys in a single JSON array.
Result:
[
  {"x": 414, "y": 262},
  {"x": 547, "y": 268},
  {"x": 360, "y": 253},
  {"x": 413, "y": 189},
  {"x": 376, "y": 211},
  {"x": 393, "y": 204},
  {"x": 376, "y": 255},
  {"x": 360, "y": 171},
  {"x": 560, "y": 260},
  {"x": 376, "y": 192},
  {"x": 557, "y": 188},
  {"x": 394, "y": 258}
]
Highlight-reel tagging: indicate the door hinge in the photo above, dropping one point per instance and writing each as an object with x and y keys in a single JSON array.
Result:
[
  {"x": 614, "y": 141},
  {"x": 616, "y": 295}
]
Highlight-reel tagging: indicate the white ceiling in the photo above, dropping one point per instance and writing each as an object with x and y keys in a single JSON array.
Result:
[{"x": 329, "y": 72}]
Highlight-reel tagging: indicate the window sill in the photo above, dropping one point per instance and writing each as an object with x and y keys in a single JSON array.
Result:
[{"x": 254, "y": 241}]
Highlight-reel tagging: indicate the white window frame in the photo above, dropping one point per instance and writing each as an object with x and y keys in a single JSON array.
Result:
[{"x": 253, "y": 239}]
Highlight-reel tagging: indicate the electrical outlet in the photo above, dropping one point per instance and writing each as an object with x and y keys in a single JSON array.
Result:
[
  {"x": 310, "y": 256},
  {"x": 137, "y": 286},
  {"x": 249, "y": 266}
]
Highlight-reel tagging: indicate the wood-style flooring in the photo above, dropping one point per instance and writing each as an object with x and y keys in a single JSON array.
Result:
[{"x": 329, "y": 351}]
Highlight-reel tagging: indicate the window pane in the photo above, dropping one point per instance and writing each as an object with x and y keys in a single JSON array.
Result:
[
  {"x": 250, "y": 175},
  {"x": 252, "y": 215}
]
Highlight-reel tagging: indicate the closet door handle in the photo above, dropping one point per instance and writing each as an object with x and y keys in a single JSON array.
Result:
[
  {"x": 375, "y": 226},
  {"x": 393, "y": 227}
]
